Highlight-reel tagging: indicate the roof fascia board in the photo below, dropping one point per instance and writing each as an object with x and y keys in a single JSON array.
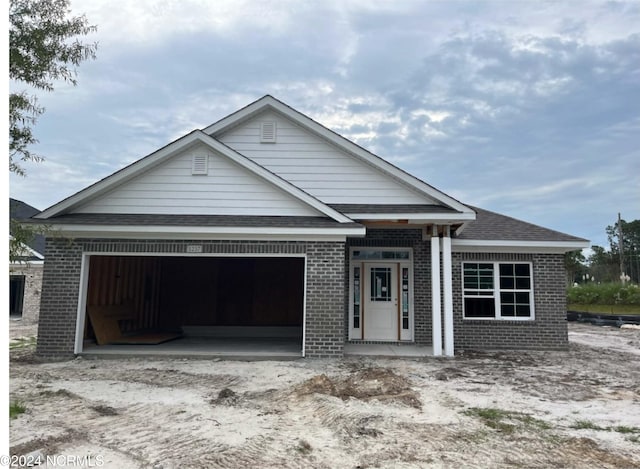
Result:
[
  {"x": 270, "y": 102},
  {"x": 124, "y": 174},
  {"x": 25, "y": 263},
  {"x": 414, "y": 217},
  {"x": 204, "y": 232},
  {"x": 473, "y": 245},
  {"x": 28, "y": 249}
]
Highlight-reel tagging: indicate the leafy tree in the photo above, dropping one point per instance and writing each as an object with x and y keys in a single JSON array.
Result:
[
  {"x": 630, "y": 246},
  {"x": 43, "y": 48},
  {"x": 574, "y": 263},
  {"x": 603, "y": 265}
]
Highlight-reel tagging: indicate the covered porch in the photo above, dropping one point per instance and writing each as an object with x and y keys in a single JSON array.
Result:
[{"x": 400, "y": 290}]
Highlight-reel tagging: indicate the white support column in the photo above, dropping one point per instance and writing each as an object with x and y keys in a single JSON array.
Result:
[
  {"x": 436, "y": 315},
  {"x": 447, "y": 293}
]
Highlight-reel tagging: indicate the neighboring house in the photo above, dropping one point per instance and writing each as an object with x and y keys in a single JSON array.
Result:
[
  {"x": 25, "y": 271},
  {"x": 268, "y": 224}
]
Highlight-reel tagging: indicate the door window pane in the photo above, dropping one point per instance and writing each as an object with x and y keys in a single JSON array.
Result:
[{"x": 380, "y": 284}]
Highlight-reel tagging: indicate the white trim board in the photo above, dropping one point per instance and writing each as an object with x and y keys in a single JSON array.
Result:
[
  {"x": 207, "y": 232},
  {"x": 550, "y": 247},
  {"x": 414, "y": 218}
]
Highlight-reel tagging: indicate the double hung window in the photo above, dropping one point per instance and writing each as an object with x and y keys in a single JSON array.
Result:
[{"x": 497, "y": 290}]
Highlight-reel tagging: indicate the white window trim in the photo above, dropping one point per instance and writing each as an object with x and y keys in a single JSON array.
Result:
[{"x": 496, "y": 293}]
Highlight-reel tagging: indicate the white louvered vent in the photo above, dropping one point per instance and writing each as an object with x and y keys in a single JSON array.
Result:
[
  {"x": 268, "y": 131},
  {"x": 200, "y": 163}
]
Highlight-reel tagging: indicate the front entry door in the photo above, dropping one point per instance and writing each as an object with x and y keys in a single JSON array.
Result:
[{"x": 380, "y": 302}]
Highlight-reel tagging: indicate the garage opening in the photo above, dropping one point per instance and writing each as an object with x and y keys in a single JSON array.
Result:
[
  {"x": 16, "y": 295},
  {"x": 194, "y": 305}
]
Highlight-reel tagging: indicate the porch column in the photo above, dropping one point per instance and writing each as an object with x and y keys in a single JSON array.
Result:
[
  {"x": 436, "y": 315},
  {"x": 447, "y": 293}
]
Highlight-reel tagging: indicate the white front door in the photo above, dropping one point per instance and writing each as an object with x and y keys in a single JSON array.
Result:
[{"x": 380, "y": 301}]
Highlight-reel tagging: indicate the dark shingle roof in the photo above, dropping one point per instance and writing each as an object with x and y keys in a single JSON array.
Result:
[
  {"x": 493, "y": 226},
  {"x": 391, "y": 208},
  {"x": 196, "y": 220},
  {"x": 18, "y": 210}
]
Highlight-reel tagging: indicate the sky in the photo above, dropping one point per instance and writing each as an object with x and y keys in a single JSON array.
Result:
[{"x": 529, "y": 109}]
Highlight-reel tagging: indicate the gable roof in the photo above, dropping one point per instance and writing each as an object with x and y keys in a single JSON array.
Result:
[
  {"x": 21, "y": 211},
  {"x": 154, "y": 159},
  {"x": 268, "y": 102}
]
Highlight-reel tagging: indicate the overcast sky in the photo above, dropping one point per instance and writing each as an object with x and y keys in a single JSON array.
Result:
[{"x": 530, "y": 109}]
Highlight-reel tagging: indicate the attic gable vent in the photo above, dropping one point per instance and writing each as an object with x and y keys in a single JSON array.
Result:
[
  {"x": 200, "y": 163},
  {"x": 268, "y": 132}
]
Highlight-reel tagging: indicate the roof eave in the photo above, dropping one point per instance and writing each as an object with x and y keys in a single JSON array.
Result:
[
  {"x": 415, "y": 218},
  {"x": 205, "y": 232},
  {"x": 517, "y": 246}
]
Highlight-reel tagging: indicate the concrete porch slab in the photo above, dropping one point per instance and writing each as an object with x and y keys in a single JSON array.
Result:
[{"x": 388, "y": 350}]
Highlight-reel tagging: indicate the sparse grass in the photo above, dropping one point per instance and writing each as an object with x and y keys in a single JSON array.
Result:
[
  {"x": 22, "y": 342},
  {"x": 59, "y": 393},
  {"x": 506, "y": 421},
  {"x": 586, "y": 425},
  {"x": 16, "y": 408},
  {"x": 534, "y": 422},
  {"x": 625, "y": 429},
  {"x": 589, "y": 425}
]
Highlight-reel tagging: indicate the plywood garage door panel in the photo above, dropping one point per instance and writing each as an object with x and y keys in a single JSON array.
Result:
[
  {"x": 134, "y": 280},
  {"x": 260, "y": 291},
  {"x": 167, "y": 293}
]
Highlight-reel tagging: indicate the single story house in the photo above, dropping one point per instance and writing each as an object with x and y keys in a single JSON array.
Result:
[
  {"x": 25, "y": 268},
  {"x": 267, "y": 224}
]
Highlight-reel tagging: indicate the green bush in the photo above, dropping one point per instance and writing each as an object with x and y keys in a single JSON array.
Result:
[{"x": 604, "y": 294}]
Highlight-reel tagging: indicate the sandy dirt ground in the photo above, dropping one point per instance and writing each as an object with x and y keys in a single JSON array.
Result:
[{"x": 575, "y": 409}]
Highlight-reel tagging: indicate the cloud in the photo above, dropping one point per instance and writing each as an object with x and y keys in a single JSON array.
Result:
[{"x": 525, "y": 108}]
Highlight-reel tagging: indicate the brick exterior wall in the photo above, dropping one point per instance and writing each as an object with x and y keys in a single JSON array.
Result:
[
  {"x": 59, "y": 299},
  {"x": 547, "y": 331},
  {"x": 549, "y": 328},
  {"x": 61, "y": 283},
  {"x": 325, "y": 306},
  {"x": 32, "y": 289},
  {"x": 326, "y": 291}
]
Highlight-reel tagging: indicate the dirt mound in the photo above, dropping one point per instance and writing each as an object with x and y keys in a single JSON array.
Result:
[{"x": 381, "y": 384}]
